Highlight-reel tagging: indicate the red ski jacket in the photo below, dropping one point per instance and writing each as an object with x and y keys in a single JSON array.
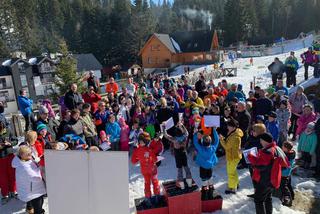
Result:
[
  {"x": 267, "y": 165},
  {"x": 147, "y": 159},
  {"x": 156, "y": 146}
]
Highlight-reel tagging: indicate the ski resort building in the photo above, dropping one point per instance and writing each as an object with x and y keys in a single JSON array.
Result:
[{"x": 170, "y": 50}]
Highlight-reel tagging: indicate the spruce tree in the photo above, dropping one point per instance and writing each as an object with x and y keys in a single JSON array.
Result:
[{"x": 66, "y": 71}]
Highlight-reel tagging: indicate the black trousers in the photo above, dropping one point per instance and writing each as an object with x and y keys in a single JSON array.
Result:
[
  {"x": 291, "y": 77},
  {"x": 29, "y": 119},
  {"x": 286, "y": 188},
  {"x": 263, "y": 199},
  {"x": 180, "y": 155},
  {"x": 293, "y": 128},
  {"x": 316, "y": 71},
  {"x": 306, "y": 157},
  {"x": 274, "y": 79},
  {"x": 205, "y": 174},
  {"x": 36, "y": 204}
]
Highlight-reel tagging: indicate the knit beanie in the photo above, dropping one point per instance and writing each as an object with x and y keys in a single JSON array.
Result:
[
  {"x": 40, "y": 127},
  {"x": 266, "y": 137}
]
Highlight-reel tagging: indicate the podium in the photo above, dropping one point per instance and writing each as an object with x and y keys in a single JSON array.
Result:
[
  {"x": 160, "y": 208},
  {"x": 176, "y": 200},
  {"x": 212, "y": 205},
  {"x": 187, "y": 201}
]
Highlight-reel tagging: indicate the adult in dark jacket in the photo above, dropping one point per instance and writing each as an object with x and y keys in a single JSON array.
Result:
[
  {"x": 74, "y": 125},
  {"x": 263, "y": 105},
  {"x": 52, "y": 124},
  {"x": 201, "y": 87},
  {"x": 276, "y": 68},
  {"x": 266, "y": 172},
  {"x": 72, "y": 98},
  {"x": 243, "y": 118},
  {"x": 25, "y": 107}
]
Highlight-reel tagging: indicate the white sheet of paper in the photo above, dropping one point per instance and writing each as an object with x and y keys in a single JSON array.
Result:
[
  {"x": 180, "y": 117},
  {"x": 253, "y": 151},
  {"x": 211, "y": 120},
  {"x": 104, "y": 146},
  {"x": 169, "y": 123},
  {"x": 160, "y": 158}
]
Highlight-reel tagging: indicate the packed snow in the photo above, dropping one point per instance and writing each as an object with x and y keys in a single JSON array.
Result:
[{"x": 238, "y": 203}]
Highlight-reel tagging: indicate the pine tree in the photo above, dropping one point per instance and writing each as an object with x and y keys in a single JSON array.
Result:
[
  {"x": 232, "y": 24},
  {"x": 248, "y": 19},
  {"x": 66, "y": 71}
]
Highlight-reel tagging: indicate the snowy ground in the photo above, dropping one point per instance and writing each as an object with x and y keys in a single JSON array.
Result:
[{"x": 238, "y": 203}]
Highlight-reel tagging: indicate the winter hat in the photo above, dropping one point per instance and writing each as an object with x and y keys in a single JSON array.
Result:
[
  {"x": 272, "y": 114},
  {"x": 103, "y": 135},
  {"x": 300, "y": 87},
  {"x": 43, "y": 110},
  {"x": 266, "y": 137},
  {"x": 122, "y": 121},
  {"x": 311, "y": 125},
  {"x": 151, "y": 103},
  {"x": 195, "y": 110},
  {"x": 40, "y": 127},
  {"x": 260, "y": 117}
]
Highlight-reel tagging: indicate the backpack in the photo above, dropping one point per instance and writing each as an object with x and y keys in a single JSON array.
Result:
[{"x": 280, "y": 160}]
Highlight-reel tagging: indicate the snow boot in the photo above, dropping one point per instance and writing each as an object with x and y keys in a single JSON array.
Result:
[
  {"x": 147, "y": 203},
  {"x": 204, "y": 193},
  {"x": 250, "y": 196},
  {"x": 230, "y": 191},
  {"x": 213, "y": 193},
  {"x": 5, "y": 200},
  {"x": 157, "y": 199},
  {"x": 180, "y": 184},
  {"x": 189, "y": 182}
]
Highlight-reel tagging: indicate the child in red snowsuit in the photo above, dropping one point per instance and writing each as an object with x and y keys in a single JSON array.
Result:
[
  {"x": 157, "y": 146},
  {"x": 266, "y": 172},
  {"x": 147, "y": 158}
]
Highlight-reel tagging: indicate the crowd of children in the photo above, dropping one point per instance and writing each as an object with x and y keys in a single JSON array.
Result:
[{"x": 134, "y": 120}]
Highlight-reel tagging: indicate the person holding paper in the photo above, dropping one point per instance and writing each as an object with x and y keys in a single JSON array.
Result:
[
  {"x": 178, "y": 144},
  {"x": 267, "y": 172},
  {"x": 254, "y": 141},
  {"x": 206, "y": 159},
  {"x": 232, "y": 146},
  {"x": 148, "y": 159}
]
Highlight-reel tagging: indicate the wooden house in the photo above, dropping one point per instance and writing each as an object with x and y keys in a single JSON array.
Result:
[
  {"x": 43, "y": 69},
  {"x": 16, "y": 74},
  {"x": 170, "y": 50}
]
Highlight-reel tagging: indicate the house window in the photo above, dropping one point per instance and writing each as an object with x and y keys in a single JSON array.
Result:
[
  {"x": 149, "y": 60},
  {"x": 155, "y": 47},
  {"x": 195, "y": 45},
  {"x": 3, "y": 83}
]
